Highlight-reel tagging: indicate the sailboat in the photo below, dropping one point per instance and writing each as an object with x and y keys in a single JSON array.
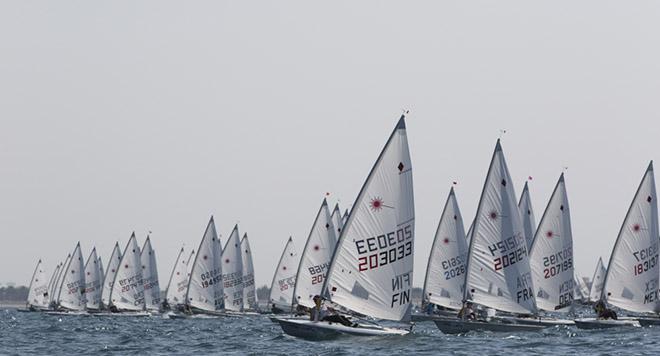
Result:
[
  {"x": 127, "y": 292},
  {"x": 445, "y": 272},
  {"x": 109, "y": 276},
  {"x": 38, "y": 293},
  {"x": 631, "y": 281},
  {"x": 175, "y": 290},
  {"x": 551, "y": 258},
  {"x": 204, "y": 294},
  {"x": 93, "y": 282},
  {"x": 232, "y": 272},
  {"x": 71, "y": 293},
  {"x": 498, "y": 272},
  {"x": 315, "y": 258},
  {"x": 51, "y": 284},
  {"x": 527, "y": 214},
  {"x": 249, "y": 292},
  {"x": 372, "y": 268},
  {"x": 584, "y": 289},
  {"x": 56, "y": 286},
  {"x": 597, "y": 281},
  {"x": 284, "y": 280},
  {"x": 150, "y": 277}
]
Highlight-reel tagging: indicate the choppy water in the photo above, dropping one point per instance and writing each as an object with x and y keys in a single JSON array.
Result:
[{"x": 37, "y": 333}]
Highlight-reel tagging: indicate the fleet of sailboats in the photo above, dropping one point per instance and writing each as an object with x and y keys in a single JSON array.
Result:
[{"x": 505, "y": 274}]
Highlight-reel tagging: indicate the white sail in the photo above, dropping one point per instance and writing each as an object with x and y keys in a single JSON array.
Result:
[
  {"x": 58, "y": 282},
  {"x": 176, "y": 285},
  {"x": 337, "y": 220},
  {"x": 127, "y": 292},
  {"x": 101, "y": 270},
  {"x": 150, "y": 276},
  {"x": 631, "y": 282},
  {"x": 551, "y": 254},
  {"x": 38, "y": 292},
  {"x": 584, "y": 289},
  {"x": 93, "y": 281},
  {"x": 527, "y": 214},
  {"x": 344, "y": 218},
  {"x": 249, "y": 291},
  {"x": 232, "y": 272},
  {"x": 445, "y": 272},
  {"x": 315, "y": 258},
  {"x": 205, "y": 291},
  {"x": 498, "y": 272},
  {"x": 597, "y": 281},
  {"x": 109, "y": 276},
  {"x": 71, "y": 295},
  {"x": 372, "y": 269},
  {"x": 52, "y": 282},
  {"x": 284, "y": 279}
]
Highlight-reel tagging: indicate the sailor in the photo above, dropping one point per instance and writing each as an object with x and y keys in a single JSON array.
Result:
[
  {"x": 320, "y": 313},
  {"x": 603, "y": 312},
  {"x": 467, "y": 312}
]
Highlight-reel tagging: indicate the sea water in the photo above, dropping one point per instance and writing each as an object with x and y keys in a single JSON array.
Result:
[{"x": 38, "y": 333}]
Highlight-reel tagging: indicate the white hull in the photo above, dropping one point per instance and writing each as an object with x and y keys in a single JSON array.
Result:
[
  {"x": 321, "y": 330},
  {"x": 458, "y": 326},
  {"x": 593, "y": 323}
]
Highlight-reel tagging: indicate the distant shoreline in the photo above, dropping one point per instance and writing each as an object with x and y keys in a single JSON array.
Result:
[{"x": 11, "y": 304}]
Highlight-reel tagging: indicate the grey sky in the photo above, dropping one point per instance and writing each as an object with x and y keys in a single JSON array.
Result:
[{"x": 120, "y": 116}]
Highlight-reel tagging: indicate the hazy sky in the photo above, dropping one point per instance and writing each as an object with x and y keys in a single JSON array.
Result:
[{"x": 153, "y": 115}]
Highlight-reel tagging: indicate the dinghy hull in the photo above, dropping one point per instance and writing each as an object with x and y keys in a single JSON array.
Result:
[
  {"x": 649, "y": 321},
  {"x": 321, "y": 330},
  {"x": 593, "y": 323},
  {"x": 458, "y": 326},
  {"x": 547, "y": 322}
]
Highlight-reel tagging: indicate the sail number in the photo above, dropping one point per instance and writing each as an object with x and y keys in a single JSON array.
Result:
[
  {"x": 558, "y": 268},
  {"x": 210, "y": 278},
  {"x": 558, "y": 262},
  {"x": 512, "y": 250},
  {"x": 318, "y": 272},
  {"x": 453, "y": 267},
  {"x": 648, "y": 258},
  {"x": 398, "y": 244}
]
